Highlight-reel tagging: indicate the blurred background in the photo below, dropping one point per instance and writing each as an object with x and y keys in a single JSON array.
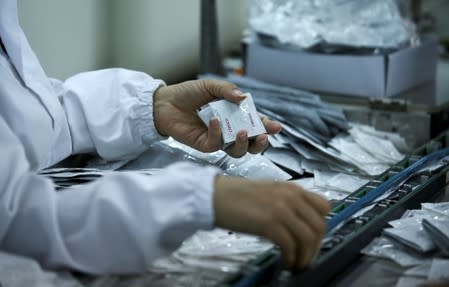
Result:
[{"x": 160, "y": 37}]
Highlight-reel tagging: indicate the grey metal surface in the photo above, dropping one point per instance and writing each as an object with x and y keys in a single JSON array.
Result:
[{"x": 210, "y": 61}]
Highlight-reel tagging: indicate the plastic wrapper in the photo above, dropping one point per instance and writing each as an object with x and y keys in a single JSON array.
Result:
[
  {"x": 331, "y": 26},
  {"x": 398, "y": 141},
  {"x": 370, "y": 150},
  {"x": 163, "y": 153},
  {"x": 359, "y": 151},
  {"x": 438, "y": 230},
  {"x": 439, "y": 270},
  {"x": 380, "y": 148},
  {"x": 294, "y": 107},
  {"x": 356, "y": 154},
  {"x": 285, "y": 158},
  {"x": 415, "y": 218},
  {"x": 405, "y": 281},
  {"x": 339, "y": 181},
  {"x": 421, "y": 267},
  {"x": 254, "y": 166},
  {"x": 440, "y": 208},
  {"x": 193, "y": 279},
  {"x": 277, "y": 141},
  {"x": 160, "y": 155},
  {"x": 385, "y": 248},
  {"x": 317, "y": 132},
  {"x": 413, "y": 213},
  {"x": 220, "y": 250},
  {"x": 249, "y": 166},
  {"x": 220, "y": 242},
  {"x": 412, "y": 236},
  {"x": 421, "y": 270},
  {"x": 309, "y": 185},
  {"x": 203, "y": 260}
]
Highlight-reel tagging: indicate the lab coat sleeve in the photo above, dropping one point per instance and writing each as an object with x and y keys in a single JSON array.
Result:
[
  {"x": 117, "y": 224},
  {"x": 110, "y": 112}
]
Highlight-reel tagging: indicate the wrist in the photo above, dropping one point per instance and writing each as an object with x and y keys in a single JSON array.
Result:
[
  {"x": 158, "y": 103},
  {"x": 226, "y": 203},
  {"x": 218, "y": 200}
]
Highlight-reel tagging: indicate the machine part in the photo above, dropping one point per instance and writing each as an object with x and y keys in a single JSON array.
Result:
[
  {"x": 393, "y": 182},
  {"x": 262, "y": 269},
  {"x": 210, "y": 61},
  {"x": 343, "y": 245}
]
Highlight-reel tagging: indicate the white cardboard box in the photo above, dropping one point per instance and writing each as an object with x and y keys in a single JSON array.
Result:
[{"x": 356, "y": 75}]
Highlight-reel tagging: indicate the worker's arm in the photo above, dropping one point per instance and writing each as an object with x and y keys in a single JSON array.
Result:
[
  {"x": 110, "y": 112},
  {"x": 118, "y": 112},
  {"x": 117, "y": 224}
]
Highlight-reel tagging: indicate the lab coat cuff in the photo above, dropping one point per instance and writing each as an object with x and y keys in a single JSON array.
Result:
[
  {"x": 203, "y": 196},
  {"x": 143, "y": 113}
]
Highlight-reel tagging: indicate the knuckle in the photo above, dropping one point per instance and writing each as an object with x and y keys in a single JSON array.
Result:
[
  {"x": 205, "y": 84},
  {"x": 309, "y": 237},
  {"x": 289, "y": 196},
  {"x": 208, "y": 82},
  {"x": 279, "y": 207},
  {"x": 296, "y": 190}
]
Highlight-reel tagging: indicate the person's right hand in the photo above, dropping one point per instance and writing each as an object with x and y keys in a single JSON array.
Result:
[
  {"x": 175, "y": 110},
  {"x": 283, "y": 212}
]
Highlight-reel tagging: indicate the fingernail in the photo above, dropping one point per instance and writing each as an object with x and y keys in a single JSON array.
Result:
[
  {"x": 242, "y": 137},
  {"x": 238, "y": 93},
  {"x": 264, "y": 141},
  {"x": 213, "y": 122}
]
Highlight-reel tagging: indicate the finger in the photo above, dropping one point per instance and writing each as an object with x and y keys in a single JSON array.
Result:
[
  {"x": 281, "y": 237},
  {"x": 214, "y": 141},
  {"x": 318, "y": 202},
  {"x": 306, "y": 239},
  {"x": 223, "y": 90},
  {"x": 259, "y": 144},
  {"x": 240, "y": 147},
  {"x": 272, "y": 127},
  {"x": 309, "y": 215},
  {"x": 308, "y": 247}
]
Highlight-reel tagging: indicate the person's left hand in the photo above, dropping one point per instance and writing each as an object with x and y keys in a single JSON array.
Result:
[{"x": 175, "y": 114}]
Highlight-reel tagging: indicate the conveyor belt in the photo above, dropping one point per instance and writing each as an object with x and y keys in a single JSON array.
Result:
[{"x": 342, "y": 245}]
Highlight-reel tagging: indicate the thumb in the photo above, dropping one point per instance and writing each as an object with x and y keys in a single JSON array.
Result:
[{"x": 223, "y": 90}]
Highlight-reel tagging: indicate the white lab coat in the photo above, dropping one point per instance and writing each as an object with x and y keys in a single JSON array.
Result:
[{"x": 117, "y": 224}]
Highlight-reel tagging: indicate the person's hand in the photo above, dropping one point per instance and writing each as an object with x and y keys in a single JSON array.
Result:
[
  {"x": 280, "y": 211},
  {"x": 175, "y": 114}
]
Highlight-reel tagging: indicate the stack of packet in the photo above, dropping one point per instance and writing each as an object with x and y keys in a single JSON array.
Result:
[
  {"x": 438, "y": 230},
  {"x": 233, "y": 118}
]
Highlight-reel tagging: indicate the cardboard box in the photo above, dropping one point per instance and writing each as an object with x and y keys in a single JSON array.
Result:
[{"x": 356, "y": 75}]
